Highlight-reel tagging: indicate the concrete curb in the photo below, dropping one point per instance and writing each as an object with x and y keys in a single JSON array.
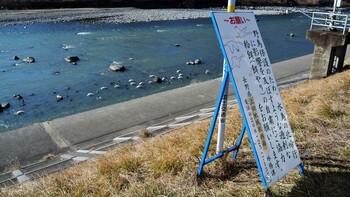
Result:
[{"x": 27, "y": 144}]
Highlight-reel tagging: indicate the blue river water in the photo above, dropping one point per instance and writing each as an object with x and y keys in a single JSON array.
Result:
[{"x": 143, "y": 48}]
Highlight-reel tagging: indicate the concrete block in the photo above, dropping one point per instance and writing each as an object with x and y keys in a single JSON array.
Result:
[{"x": 329, "y": 46}]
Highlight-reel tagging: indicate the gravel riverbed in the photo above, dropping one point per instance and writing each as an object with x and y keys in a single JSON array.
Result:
[{"x": 120, "y": 15}]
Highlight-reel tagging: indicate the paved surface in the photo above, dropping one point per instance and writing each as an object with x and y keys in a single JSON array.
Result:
[{"x": 91, "y": 133}]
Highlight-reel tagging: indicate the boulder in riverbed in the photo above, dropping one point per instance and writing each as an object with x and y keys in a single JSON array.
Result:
[
  {"x": 117, "y": 67},
  {"x": 18, "y": 96},
  {"x": 157, "y": 79},
  {"x": 71, "y": 59},
  {"x": 5, "y": 105},
  {"x": 29, "y": 60}
]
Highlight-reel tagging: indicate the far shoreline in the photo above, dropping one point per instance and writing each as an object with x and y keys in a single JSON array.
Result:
[{"x": 125, "y": 15}]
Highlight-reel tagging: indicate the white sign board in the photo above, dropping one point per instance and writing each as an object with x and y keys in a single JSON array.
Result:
[
  {"x": 258, "y": 93},
  {"x": 338, "y": 3}
]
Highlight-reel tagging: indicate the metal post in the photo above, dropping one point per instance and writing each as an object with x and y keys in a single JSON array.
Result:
[{"x": 223, "y": 107}]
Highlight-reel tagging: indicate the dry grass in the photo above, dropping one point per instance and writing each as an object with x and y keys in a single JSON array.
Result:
[{"x": 319, "y": 112}]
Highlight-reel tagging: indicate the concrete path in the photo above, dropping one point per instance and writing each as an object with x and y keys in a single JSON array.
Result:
[{"x": 31, "y": 143}]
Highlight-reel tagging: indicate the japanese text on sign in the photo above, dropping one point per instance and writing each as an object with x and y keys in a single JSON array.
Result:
[{"x": 264, "y": 111}]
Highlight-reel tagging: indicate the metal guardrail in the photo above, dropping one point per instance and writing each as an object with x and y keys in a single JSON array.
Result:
[{"x": 330, "y": 20}]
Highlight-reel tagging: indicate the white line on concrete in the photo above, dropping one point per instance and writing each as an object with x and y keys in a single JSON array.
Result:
[
  {"x": 182, "y": 118},
  {"x": 66, "y": 156},
  {"x": 121, "y": 139},
  {"x": 17, "y": 173},
  {"x": 179, "y": 125},
  {"x": 55, "y": 136},
  {"x": 98, "y": 152},
  {"x": 23, "y": 178},
  {"x": 94, "y": 152},
  {"x": 156, "y": 128},
  {"x": 207, "y": 110},
  {"x": 20, "y": 176},
  {"x": 80, "y": 159},
  {"x": 205, "y": 114},
  {"x": 83, "y": 151}
]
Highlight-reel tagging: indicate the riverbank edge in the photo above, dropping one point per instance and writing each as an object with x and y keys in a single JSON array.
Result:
[
  {"x": 126, "y": 15},
  {"x": 28, "y": 144}
]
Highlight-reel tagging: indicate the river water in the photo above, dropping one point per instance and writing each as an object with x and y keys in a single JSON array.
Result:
[{"x": 153, "y": 48}]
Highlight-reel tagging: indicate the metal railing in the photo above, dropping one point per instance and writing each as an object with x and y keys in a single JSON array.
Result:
[{"x": 330, "y": 20}]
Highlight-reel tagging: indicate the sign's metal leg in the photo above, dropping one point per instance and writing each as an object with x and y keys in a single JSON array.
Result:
[
  {"x": 239, "y": 141},
  {"x": 212, "y": 126},
  {"x": 301, "y": 169}
]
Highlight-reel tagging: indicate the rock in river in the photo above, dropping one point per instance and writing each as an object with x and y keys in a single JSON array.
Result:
[
  {"x": 29, "y": 60},
  {"x": 157, "y": 79},
  {"x": 5, "y": 105},
  {"x": 115, "y": 66},
  {"x": 71, "y": 59},
  {"x": 20, "y": 112},
  {"x": 18, "y": 96}
]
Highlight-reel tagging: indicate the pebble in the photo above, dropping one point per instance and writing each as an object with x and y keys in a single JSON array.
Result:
[
  {"x": 71, "y": 59},
  {"x": 5, "y": 105},
  {"x": 59, "y": 97},
  {"x": 139, "y": 86},
  {"x": 29, "y": 60},
  {"x": 18, "y": 96},
  {"x": 157, "y": 80},
  {"x": 197, "y": 61},
  {"x": 20, "y": 112}
]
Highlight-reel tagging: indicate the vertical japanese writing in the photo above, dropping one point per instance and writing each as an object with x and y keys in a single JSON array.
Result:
[{"x": 261, "y": 101}]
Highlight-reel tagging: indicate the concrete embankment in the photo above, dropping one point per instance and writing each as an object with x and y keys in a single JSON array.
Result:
[{"x": 30, "y": 143}]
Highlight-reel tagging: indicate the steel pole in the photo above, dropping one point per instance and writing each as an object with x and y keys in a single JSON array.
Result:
[{"x": 223, "y": 107}]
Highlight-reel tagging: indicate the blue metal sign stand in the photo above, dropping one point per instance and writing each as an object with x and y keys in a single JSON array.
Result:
[
  {"x": 228, "y": 75},
  {"x": 204, "y": 161}
]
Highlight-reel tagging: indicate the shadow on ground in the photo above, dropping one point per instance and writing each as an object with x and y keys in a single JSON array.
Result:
[{"x": 325, "y": 177}]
